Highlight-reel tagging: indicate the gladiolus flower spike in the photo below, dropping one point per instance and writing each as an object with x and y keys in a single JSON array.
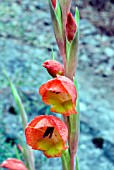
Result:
[
  {"x": 61, "y": 94},
  {"x": 70, "y": 27},
  {"x": 53, "y": 67},
  {"x": 13, "y": 164},
  {"x": 48, "y": 134}
]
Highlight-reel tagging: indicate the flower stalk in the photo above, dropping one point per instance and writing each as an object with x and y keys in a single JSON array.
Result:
[{"x": 70, "y": 34}]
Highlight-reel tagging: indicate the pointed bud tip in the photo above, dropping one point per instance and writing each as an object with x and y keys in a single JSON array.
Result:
[
  {"x": 70, "y": 26},
  {"x": 46, "y": 64},
  {"x": 54, "y": 3}
]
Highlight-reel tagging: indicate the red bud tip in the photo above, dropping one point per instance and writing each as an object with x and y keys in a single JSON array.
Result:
[
  {"x": 54, "y": 3},
  {"x": 70, "y": 27}
]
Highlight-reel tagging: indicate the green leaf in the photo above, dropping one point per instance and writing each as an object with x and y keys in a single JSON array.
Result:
[
  {"x": 56, "y": 20},
  {"x": 77, "y": 164},
  {"x": 75, "y": 83},
  {"x": 77, "y": 17},
  {"x": 67, "y": 49},
  {"x": 18, "y": 101},
  {"x": 72, "y": 58},
  {"x": 77, "y": 100},
  {"x": 65, "y": 159},
  {"x": 17, "y": 152},
  {"x": 57, "y": 26},
  {"x": 27, "y": 153},
  {"x": 59, "y": 15},
  {"x": 72, "y": 50}
]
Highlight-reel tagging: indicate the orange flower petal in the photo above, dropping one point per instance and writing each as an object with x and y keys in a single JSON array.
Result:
[
  {"x": 54, "y": 85},
  {"x": 13, "y": 164},
  {"x": 61, "y": 94},
  {"x": 69, "y": 86},
  {"x": 48, "y": 134}
]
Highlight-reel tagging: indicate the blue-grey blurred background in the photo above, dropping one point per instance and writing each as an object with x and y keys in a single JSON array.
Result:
[{"x": 26, "y": 36}]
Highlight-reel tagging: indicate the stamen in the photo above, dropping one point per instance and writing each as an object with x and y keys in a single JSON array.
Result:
[{"x": 55, "y": 137}]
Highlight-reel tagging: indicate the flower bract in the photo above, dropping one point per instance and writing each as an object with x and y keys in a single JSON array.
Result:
[
  {"x": 48, "y": 134},
  {"x": 61, "y": 94}
]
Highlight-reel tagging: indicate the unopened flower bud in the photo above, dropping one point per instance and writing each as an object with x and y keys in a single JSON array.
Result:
[
  {"x": 70, "y": 27},
  {"x": 53, "y": 67},
  {"x": 13, "y": 164},
  {"x": 54, "y": 3}
]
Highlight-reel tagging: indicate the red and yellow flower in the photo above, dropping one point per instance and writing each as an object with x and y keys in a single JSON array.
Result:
[
  {"x": 48, "y": 134},
  {"x": 61, "y": 94}
]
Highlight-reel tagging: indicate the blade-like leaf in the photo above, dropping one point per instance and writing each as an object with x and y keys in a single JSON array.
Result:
[
  {"x": 57, "y": 26},
  {"x": 65, "y": 6},
  {"x": 77, "y": 164},
  {"x": 27, "y": 152},
  {"x": 67, "y": 49},
  {"x": 77, "y": 100},
  {"x": 28, "y": 155},
  {"x": 72, "y": 52},
  {"x": 72, "y": 58},
  {"x": 77, "y": 18},
  {"x": 58, "y": 13},
  {"x": 65, "y": 160},
  {"x": 18, "y": 101}
]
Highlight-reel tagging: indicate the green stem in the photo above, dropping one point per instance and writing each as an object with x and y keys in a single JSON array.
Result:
[
  {"x": 65, "y": 158},
  {"x": 72, "y": 161}
]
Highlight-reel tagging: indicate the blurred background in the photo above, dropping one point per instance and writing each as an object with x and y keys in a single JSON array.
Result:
[{"x": 26, "y": 36}]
